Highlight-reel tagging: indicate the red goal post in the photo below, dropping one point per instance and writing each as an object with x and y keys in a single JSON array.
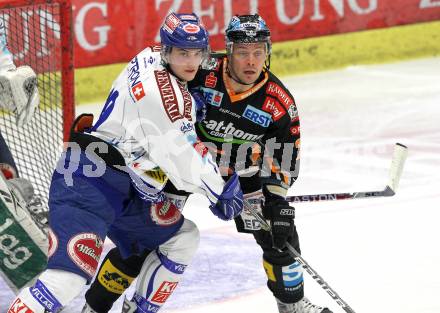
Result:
[{"x": 39, "y": 34}]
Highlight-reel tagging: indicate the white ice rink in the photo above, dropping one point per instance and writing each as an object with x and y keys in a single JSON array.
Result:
[{"x": 380, "y": 255}]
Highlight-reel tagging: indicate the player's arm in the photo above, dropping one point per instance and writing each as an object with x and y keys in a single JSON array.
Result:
[
  {"x": 280, "y": 170},
  {"x": 280, "y": 148},
  {"x": 173, "y": 145}
]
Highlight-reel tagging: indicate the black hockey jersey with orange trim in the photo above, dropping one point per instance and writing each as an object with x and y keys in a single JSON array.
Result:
[{"x": 256, "y": 133}]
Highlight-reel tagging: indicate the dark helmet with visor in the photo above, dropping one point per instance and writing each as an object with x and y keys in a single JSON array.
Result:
[{"x": 247, "y": 29}]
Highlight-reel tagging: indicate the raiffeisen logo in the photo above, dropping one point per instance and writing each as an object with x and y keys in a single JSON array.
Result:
[{"x": 228, "y": 132}]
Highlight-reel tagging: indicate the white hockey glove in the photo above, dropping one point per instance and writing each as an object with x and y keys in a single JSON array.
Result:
[{"x": 19, "y": 93}]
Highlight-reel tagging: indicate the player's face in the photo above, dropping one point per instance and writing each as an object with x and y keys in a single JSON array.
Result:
[
  {"x": 247, "y": 61},
  {"x": 185, "y": 62}
]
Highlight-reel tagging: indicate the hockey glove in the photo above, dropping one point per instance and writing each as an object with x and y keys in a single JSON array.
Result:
[
  {"x": 281, "y": 216},
  {"x": 200, "y": 102},
  {"x": 19, "y": 93},
  {"x": 230, "y": 202}
]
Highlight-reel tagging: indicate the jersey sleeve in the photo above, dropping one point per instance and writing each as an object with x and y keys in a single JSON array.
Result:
[{"x": 281, "y": 144}]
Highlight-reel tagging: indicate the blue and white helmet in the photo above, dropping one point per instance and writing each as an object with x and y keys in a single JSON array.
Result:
[
  {"x": 184, "y": 31},
  {"x": 247, "y": 29}
]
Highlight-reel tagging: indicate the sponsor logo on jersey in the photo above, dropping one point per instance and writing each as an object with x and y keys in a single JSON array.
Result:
[
  {"x": 229, "y": 112},
  {"x": 293, "y": 113},
  {"x": 179, "y": 268},
  {"x": 191, "y": 28},
  {"x": 169, "y": 99},
  {"x": 19, "y": 307},
  {"x": 148, "y": 61},
  {"x": 85, "y": 249},
  {"x": 257, "y": 116},
  {"x": 157, "y": 174},
  {"x": 53, "y": 243},
  {"x": 294, "y": 130},
  {"x": 268, "y": 268},
  {"x": 187, "y": 101},
  {"x": 210, "y": 80},
  {"x": 165, "y": 213},
  {"x": 164, "y": 291},
  {"x": 292, "y": 274},
  {"x": 273, "y": 107},
  {"x": 229, "y": 132},
  {"x": 40, "y": 293},
  {"x": 212, "y": 96},
  {"x": 138, "y": 91},
  {"x": 113, "y": 279},
  {"x": 136, "y": 87},
  {"x": 133, "y": 72},
  {"x": 278, "y": 92},
  {"x": 186, "y": 127}
]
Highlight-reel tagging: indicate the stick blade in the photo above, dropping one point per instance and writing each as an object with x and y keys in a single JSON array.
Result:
[{"x": 399, "y": 157}]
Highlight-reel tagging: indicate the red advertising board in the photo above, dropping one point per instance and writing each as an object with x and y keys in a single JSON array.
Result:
[{"x": 111, "y": 31}]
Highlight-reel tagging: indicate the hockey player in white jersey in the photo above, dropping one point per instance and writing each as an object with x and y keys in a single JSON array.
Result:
[
  {"x": 23, "y": 242},
  {"x": 109, "y": 180}
]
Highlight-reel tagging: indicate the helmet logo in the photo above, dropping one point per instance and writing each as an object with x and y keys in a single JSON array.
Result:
[
  {"x": 188, "y": 17},
  {"x": 191, "y": 28},
  {"x": 172, "y": 22}
]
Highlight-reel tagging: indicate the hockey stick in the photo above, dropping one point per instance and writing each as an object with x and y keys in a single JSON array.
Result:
[
  {"x": 399, "y": 157},
  {"x": 333, "y": 294}
]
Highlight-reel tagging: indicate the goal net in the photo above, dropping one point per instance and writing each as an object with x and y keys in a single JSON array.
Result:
[{"x": 38, "y": 34}]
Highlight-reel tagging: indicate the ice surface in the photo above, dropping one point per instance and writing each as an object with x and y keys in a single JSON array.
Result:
[{"x": 380, "y": 255}]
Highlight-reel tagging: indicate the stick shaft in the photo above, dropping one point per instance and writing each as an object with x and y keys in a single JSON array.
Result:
[{"x": 387, "y": 192}]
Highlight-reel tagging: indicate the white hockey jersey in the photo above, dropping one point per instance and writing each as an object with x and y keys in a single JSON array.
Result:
[{"x": 149, "y": 117}]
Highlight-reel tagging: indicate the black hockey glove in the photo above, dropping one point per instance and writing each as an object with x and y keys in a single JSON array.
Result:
[{"x": 281, "y": 216}]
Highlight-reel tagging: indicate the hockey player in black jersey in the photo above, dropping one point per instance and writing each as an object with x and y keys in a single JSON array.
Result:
[{"x": 251, "y": 123}]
